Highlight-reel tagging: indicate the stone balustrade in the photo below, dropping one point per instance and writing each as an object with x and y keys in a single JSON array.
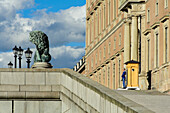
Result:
[{"x": 58, "y": 91}]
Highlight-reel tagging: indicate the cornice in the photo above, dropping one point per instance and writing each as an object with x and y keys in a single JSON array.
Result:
[
  {"x": 155, "y": 25},
  {"x": 93, "y": 7},
  {"x": 147, "y": 31},
  {"x": 81, "y": 67},
  {"x": 127, "y": 4},
  {"x": 164, "y": 18}
]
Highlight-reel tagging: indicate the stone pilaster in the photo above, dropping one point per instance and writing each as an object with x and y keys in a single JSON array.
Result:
[
  {"x": 143, "y": 46},
  {"x": 127, "y": 42},
  {"x": 134, "y": 38},
  {"x": 143, "y": 82}
]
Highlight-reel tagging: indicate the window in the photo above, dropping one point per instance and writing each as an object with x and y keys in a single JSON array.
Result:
[
  {"x": 109, "y": 9},
  {"x": 96, "y": 25},
  {"x": 166, "y": 3},
  {"x": 100, "y": 18},
  {"x": 113, "y": 75},
  {"x": 99, "y": 77},
  {"x": 118, "y": 6},
  {"x": 100, "y": 55},
  {"x": 119, "y": 72},
  {"x": 88, "y": 33},
  {"x": 148, "y": 15},
  {"x": 104, "y": 52},
  {"x": 96, "y": 58},
  {"x": 166, "y": 44},
  {"x": 120, "y": 39},
  {"x": 92, "y": 63},
  {"x": 104, "y": 17},
  {"x": 108, "y": 75},
  {"x": 109, "y": 47},
  {"x": 157, "y": 7},
  {"x": 114, "y": 9},
  {"x": 103, "y": 76},
  {"x": 156, "y": 52},
  {"x": 92, "y": 29},
  {"x": 148, "y": 53},
  {"x": 114, "y": 43}
]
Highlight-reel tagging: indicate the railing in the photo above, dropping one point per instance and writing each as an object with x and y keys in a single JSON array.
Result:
[{"x": 76, "y": 93}]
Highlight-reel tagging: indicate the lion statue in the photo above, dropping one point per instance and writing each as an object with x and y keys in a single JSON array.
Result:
[{"x": 40, "y": 39}]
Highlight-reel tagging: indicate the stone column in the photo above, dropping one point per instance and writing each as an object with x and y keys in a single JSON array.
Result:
[
  {"x": 127, "y": 42},
  {"x": 144, "y": 46},
  {"x": 134, "y": 38},
  {"x": 143, "y": 82}
]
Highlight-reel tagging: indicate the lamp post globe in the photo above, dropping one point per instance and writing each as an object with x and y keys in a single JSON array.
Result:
[
  {"x": 28, "y": 55},
  {"x": 20, "y": 53},
  {"x": 15, "y": 51},
  {"x": 10, "y": 65}
]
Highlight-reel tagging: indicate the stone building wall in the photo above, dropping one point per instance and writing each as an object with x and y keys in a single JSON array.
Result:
[
  {"x": 118, "y": 31},
  {"x": 157, "y": 35},
  {"x": 104, "y": 42}
]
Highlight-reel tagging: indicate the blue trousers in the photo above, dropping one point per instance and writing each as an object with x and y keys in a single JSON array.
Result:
[{"x": 123, "y": 82}]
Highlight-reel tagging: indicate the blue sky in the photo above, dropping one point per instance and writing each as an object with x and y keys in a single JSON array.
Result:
[
  {"x": 52, "y": 6},
  {"x": 62, "y": 20}
]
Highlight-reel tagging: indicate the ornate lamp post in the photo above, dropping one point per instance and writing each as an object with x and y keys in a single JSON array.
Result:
[
  {"x": 15, "y": 51},
  {"x": 28, "y": 55},
  {"x": 10, "y": 65},
  {"x": 20, "y": 53}
]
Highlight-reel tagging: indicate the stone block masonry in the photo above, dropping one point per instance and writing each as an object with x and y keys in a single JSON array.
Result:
[{"x": 58, "y": 91}]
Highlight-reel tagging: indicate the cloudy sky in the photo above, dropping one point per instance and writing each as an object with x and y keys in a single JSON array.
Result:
[{"x": 62, "y": 20}]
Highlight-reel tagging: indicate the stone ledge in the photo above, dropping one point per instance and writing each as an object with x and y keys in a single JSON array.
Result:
[
  {"x": 44, "y": 95},
  {"x": 9, "y": 88},
  {"x": 30, "y": 88},
  {"x": 108, "y": 94},
  {"x": 56, "y": 88},
  {"x": 15, "y": 95},
  {"x": 30, "y": 95},
  {"x": 29, "y": 70},
  {"x": 39, "y": 88}
]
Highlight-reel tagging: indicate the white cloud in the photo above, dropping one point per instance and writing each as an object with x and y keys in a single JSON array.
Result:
[
  {"x": 58, "y": 52},
  {"x": 6, "y": 57},
  {"x": 18, "y": 4},
  {"x": 62, "y": 57},
  {"x": 62, "y": 27},
  {"x": 8, "y": 8},
  {"x": 66, "y": 56}
]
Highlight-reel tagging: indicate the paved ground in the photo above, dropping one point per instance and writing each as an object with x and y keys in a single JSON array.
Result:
[{"x": 153, "y": 100}]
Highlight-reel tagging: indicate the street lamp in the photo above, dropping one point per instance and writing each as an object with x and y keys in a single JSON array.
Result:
[
  {"x": 10, "y": 65},
  {"x": 15, "y": 51},
  {"x": 20, "y": 52},
  {"x": 28, "y": 55}
]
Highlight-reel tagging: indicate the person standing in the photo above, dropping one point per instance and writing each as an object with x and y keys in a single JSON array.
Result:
[{"x": 123, "y": 78}]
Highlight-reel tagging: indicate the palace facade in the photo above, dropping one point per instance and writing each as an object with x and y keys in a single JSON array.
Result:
[{"x": 118, "y": 31}]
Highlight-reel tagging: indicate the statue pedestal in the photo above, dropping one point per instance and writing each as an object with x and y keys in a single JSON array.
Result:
[{"x": 41, "y": 65}]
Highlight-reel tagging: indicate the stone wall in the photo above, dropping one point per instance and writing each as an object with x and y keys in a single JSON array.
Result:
[
  {"x": 58, "y": 91},
  {"x": 29, "y": 91},
  {"x": 92, "y": 97}
]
